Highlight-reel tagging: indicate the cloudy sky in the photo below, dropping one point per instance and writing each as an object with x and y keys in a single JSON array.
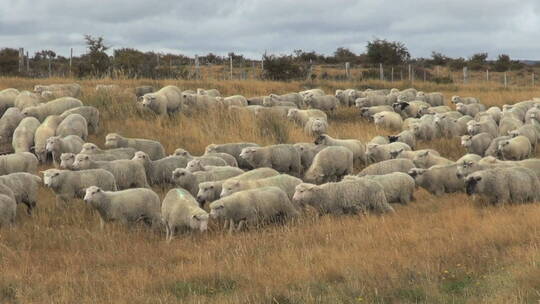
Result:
[{"x": 453, "y": 27}]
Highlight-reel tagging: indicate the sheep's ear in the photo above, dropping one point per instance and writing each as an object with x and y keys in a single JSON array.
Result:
[
  {"x": 477, "y": 178},
  {"x": 425, "y": 153}
]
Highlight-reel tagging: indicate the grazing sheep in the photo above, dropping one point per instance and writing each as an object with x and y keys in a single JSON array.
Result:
[
  {"x": 274, "y": 102},
  {"x": 424, "y": 130},
  {"x": 191, "y": 180},
  {"x": 107, "y": 155},
  {"x": 409, "y": 108},
  {"x": 8, "y": 207},
  {"x": 18, "y": 162},
  {"x": 45, "y": 131},
  {"x": 508, "y": 124},
  {"x": 211, "y": 191},
  {"x": 127, "y": 206},
  {"x": 380, "y": 140},
  {"x": 209, "y": 92},
  {"x": 237, "y": 100},
  {"x": 346, "y": 97},
  {"x": 27, "y": 99},
  {"x": 488, "y": 126},
  {"x": 368, "y": 112},
  {"x": 180, "y": 211},
  {"x": 406, "y": 137},
  {"x": 283, "y": 157},
  {"x": 153, "y": 148},
  {"x": 324, "y": 103},
  {"x": 127, "y": 173},
  {"x": 54, "y": 107},
  {"x": 315, "y": 127},
  {"x": 302, "y": 116},
  {"x": 434, "y": 98},
  {"x": 9, "y": 121},
  {"x": 57, "y": 145},
  {"x": 438, "y": 180},
  {"x": 388, "y": 166},
  {"x": 389, "y": 120},
  {"x": 199, "y": 164},
  {"x": 504, "y": 185},
  {"x": 398, "y": 186},
  {"x": 357, "y": 147},
  {"x": 470, "y": 109},
  {"x": 23, "y": 136},
  {"x": 233, "y": 149},
  {"x": 24, "y": 187},
  {"x": 401, "y": 153},
  {"x": 377, "y": 153},
  {"x": 447, "y": 126},
  {"x": 469, "y": 158},
  {"x": 196, "y": 102},
  {"x": 167, "y": 100},
  {"x": 372, "y": 100},
  {"x": 7, "y": 99},
  {"x": 67, "y": 160},
  {"x": 159, "y": 172},
  {"x": 346, "y": 197},
  {"x": 330, "y": 164},
  {"x": 59, "y": 90},
  {"x": 529, "y": 131},
  {"x": 68, "y": 185},
  {"x": 229, "y": 159},
  {"x": 284, "y": 182},
  {"x": 476, "y": 144},
  {"x": 426, "y": 160},
  {"x": 253, "y": 207},
  {"x": 307, "y": 153},
  {"x": 464, "y": 100},
  {"x": 89, "y": 113},
  {"x": 493, "y": 148},
  {"x": 73, "y": 124},
  {"x": 517, "y": 148}
]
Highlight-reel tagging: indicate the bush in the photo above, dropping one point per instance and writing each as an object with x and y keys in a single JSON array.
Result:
[
  {"x": 442, "y": 80},
  {"x": 283, "y": 68},
  {"x": 9, "y": 61}
]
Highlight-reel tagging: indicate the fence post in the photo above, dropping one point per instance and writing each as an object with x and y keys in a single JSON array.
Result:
[
  {"x": 465, "y": 75},
  {"x": 21, "y": 59},
  {"x": 347, "y": 72},
  {"x": 392, "y": 74},
  {"x": 197, "y": 69},
  {"x": 487, "y": 75},
  {"x": 230, "y": 64},
  {"x": 505, "y": 80}
]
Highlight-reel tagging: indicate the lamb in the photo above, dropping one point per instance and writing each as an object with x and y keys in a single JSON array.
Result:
[
  {"x": 401, "y": 153},
  {"x": 127, "y": 206},
  {"x": 180, "y": 211},
  {"x": 376, "y": 153},
  {"x": 8, "y": 207},
  {"x": 253, "y": 207},
  {"x": 302, "y": 116},
  {"x": 406, "y": 137},
  {"x": 307, "y": 153},
  {"x": 54, "y": 107},
  {"x": 67, "y": 160},
  {"x": 504, "y": 185},
  {"x": 7, "y": 99},
  {"x": 368, "y": 112},
  {"x": 191, "y": 180},
  {"x": 229, "y": 159},
  {"x": 107, "y": 155},
  {"x": 315, "y": 127},
  {"x": 325, "y": 103},
  {"x": 476, "y": 144},
  {"x": 233, "y": 149},
  {"x": 357, "y": 147},
  {"x": 57, "y": 145},
  {"x": 154, "y": 149},
  {"x": 45, "y": 131},
  {"x": 200, "y": 164},
  {"x": 127, "y": 173},
  {"x": 389, "y": 120},
  {"x": 9, "y": 121},
  {"x": 284, "y": 182},
  {"x": 89, "y": 113},
  {"x": 410, "y": 108},
  {"x": 167, "y": 100},
  {"x": 388, "y": 166},
  {"x": 424, "y": 110},
  {"x": 159, "y": 172},
  {"x": 330, "y": 164},
  {"x": 447, "y": 126},
  {"x": 470, "y": 109},
  {"x": 283, "y": 157},
  {"x": 73, "y": 124},
  {"x": 426, "y": 160},
  {"x": 211, "y": 191},
  {"x": 27, "y": 99},
  {"x": 24, "y": 187},
  {"x": 346, "y": 197},
  {"x": 18, "y": 162},
  {"x": 373, "y": 100},
  {"x": 517, "y": 148},
  {"x": 464, "y": 100},
  {"x": 438, "y": 180},
  {"x": 68, "y": 185},
  {"x": 237, "y": 100},
  {"x": 346, "y": 97},
  {"x": 23, "y": 136},
  {"x": 398, "y": 186}
]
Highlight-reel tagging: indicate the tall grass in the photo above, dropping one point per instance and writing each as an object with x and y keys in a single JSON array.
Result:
[{"x": 446, "y": 249}]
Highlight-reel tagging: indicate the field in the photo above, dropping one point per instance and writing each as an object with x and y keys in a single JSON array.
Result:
[{"x": 447, "y": 249}]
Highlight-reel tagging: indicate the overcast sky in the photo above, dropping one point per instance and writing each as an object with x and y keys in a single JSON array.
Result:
[{"x": 453, "y": 27}]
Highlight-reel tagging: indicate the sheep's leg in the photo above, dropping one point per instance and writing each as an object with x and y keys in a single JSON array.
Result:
[
  {"x": 225, "y": 224},
  {"x": 101, "y": 223},
  {"x": 231, "y": 226},
  {"x": 241, "y": 225}
]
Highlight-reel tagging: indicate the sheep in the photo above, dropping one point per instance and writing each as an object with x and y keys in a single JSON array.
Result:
[
  {"x": 425, "y": 110},
  {"x": 283, "y": 157},
  {"x": 126, "y": 206},
  {"x": 27, "y": 99},
  {"x": 7, "y": 99},
  {"x": 381, "y": 140},
  {"x": 315, "y": 127},
  {"x": 302, "y": 116},
  {"x": 127, "y": 173},
  {"x": 269, "y": 102},
  {"x": 67, "y": 160},
  {"x": 508, "y": 124},
  {"x": 447, "y": 126},
  {"x": 346, "y": 97},
  {"x": 373, "y": 100},
  {"x": 314, "y": 92},
  {"x": 387, "y": 119},
  {"x": 504, "y": 185},
  {"x": 406, "y": 137},
  {"x": 233, "y": 149},
  {"x": 167, "y": 100},
  {"x": 398, "y": 186},
  {"x": 330, "y": 164},
  {"x": 196, "y": 102},
  {"x": 191, "y": 180},
  {"x": 199, "y": 164},
  {"x": 387, "y": 167},
  {"x": 494, "y": 112},
  {"x": 424, "y": 130},
  {"x": 54, "y": 107},
  {"x": 493, "y": 148},
  {"x": 279, "y": 111},
  {"x": 434, "y": 99},
  {"x": 237, "y": 100},
  {"x": 533, "y": 112},
  {"x": 23, "y": 136},
  {"x": 68, "y": 185},
  {"x": 488, "y": 126},
  {"x": 517, "y": 148},
  {"x": 91, "y": 114},
  {"x": 18, "y": 162},
  {"x": 229, "y": 159},
  {"x": 402, "y": 153},
  {"x": 159, "y": 172},
  {"x": 211, "y": 191},
  {"x": 209, "y": 92},
  {"x": 294, "y": 98},
  {"x": 180, "y": 211},
  {"x": 470, "y": 109},
  {"x": 346, "y": 197},
  {"x": 376, "y": 153},
  {"x": 107, "y": 155},
  {"x": 60, "y": 90},
  {"x": 469, "y": 157},
  {"x": 438, "y": 180},
  {"x": 426, "y": 160},
  {"x": 73, "y": 124},
  {"x": 57, "y": 145},
  {"x": 325, "y": 103},
  {"x": 24, "y": 187},
  {"x": 256, "y": 101},
  {"x": 476, "y": 144},
  {"x": 8, "y": 207},
  {"x": 357, "y": 147},
  {"x": 410, "y": 108},
  {"x": 45, "y": 131},
  {"x": 253, "y": 207},
  {"x": 9, "y": 121},
  {"x": 154, "y": 149},
  {"x": 284, "y": 182},
  {"x": 529, "y": 131},
  {"x": 464, "y": 100},
  {"x": 368, "y": 112}
]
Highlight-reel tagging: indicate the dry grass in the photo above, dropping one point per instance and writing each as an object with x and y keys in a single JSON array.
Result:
[{"x": 436, "y": 250}]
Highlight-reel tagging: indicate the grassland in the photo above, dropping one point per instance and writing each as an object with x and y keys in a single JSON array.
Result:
[{"x": 446, "y": 249}]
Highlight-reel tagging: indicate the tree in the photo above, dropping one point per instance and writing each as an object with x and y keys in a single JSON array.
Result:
[
  {"x": 503, "y": 63},
  {"x": 9, "y": 61},
  {"x": 438, "y": 58},
  {"x": 477, "y": 61},
  {"x": 386, "y": 52},
  {"x": 457, "y": 63},
  {"x": 96, "y": 57},
  {"x": 282, "y": 68},
  {"x": 342, "y": 55}
]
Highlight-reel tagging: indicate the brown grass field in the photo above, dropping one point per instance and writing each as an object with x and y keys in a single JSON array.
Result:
[{"x": 445, "y": 249}]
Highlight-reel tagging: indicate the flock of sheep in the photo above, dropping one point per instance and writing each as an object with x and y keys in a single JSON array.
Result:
[{"x": 245, "y": 184}]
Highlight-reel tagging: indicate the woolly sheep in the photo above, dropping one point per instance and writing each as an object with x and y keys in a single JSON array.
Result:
[
  {"x": 57, "y": 145},
  {"x": 199, "y": 164},
  {"x": 160, "y": 171},
  {"x": 24, "y": 187},
  {"x": 470, "y": 109},
  {"x": 476, "y": 144},
  {"x": 517, "y": 148},
  {"x": 376, "y": 153},
  {"x": 488, "y": 126},
  {"x": 60, "y": 90},
  {"x": 127, "y": 173},
  {"x": 330, "y": 164},
  {"x": 387, "y": 119},
  {"x": 126, "y": 206},
  {"x": 229, "y": 159},
  {"x": 302, "y": 116},
  {"x": 67, "y": 160},
  {"x": 464, "y": 100},
  {"x": 233, "y": 149},
  {"x": 346, "y": 197},
  {"x": 209, "y": 92},
  {"x": 410, "y": 108},
  {"x": 191, "y": 180},
  {"x": 283, "y": 157},
  {"x": 324, "y": 103},
  {"x": 237, "y": 100},
  {"x": 73, "y": 124},
  {"x": 8, "y": 207},
  {"x": 314, "y": 92},
  {"x": 357, "y": 147},
  {"x": 45, "y": 131},
  {"x": 426, "y": 160},
  {"x": 154, "y": 149},
  {"x": 447, "y": 126},
  {"x": 402, "y": 153},
  {"x": 381, "y": 140},
  {"x": 424, "y": 130},
  {"x": 373, "y": 100},
  {"x": 493, "y": 148},
  {"x": 424, "y": 110},
  {"x": 406, "y": 137},
  {"x": 54, "y": 107},
  {"x": 253, "y": 207},
  {"x": 107, "y": 155},
  {"x": 315, "y": 127},
  {"x": 294, "y": 98},
  {"x": 508, "y": 124},
  {"x": 438, "y": 180},
  {"x": 9, "y": 121},
  {"x": 18, "y": 162},
  {"x": 368, "y": 112},
  {"x": 180, "y": 211},
  {"x": 469, "y": 157},
  {"x": 346, "y": 97},
  {"x": 387, "y": 167},
  {"x": 68, "y": 185},
  {"x": 23, "y": 136},
  {"x": 27, "y": 99},
  {"x": 196, "y": 102},
  {"x": 7, "y": 99},
  {"x": 434, "y": 98},
  {"x": 529, "y": 131},
  {"x": 167, "y": 100},
  {"x": 284, "y": 182},
  {"x": 398, "y": 186},
  {"x": 90, "y": 114}
]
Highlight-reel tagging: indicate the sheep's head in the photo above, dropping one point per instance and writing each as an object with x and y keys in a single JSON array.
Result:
[
  {"x": 303, "y": 193},
  {"x": 195, "y": 165},
  {"x": 378, "y": 118},
  {"x": 466, "y": 141},
  {"x": 230, "y": 187},
  {"x": 67, "y": 160},
  {"x": 217, "y": 210},
  {"x": 455, "y": 99},
  {"x": 471, "y": 183},
  {"x": 50, "y": 177},
  {"x": 52, "y": 143},
  {"x": 292, "y": 113},
  {"x": 181, "y": 152},
  {"x": 416, "y": 172},
  {"x": 514, "y": 133},
  {"x": 92, "y": 194},
  {"x": 210, "y": 148},
  {"x": 207, "y": 193},
  {"x": 82, "y": 161},
  {"x": 149, "y": 99},
  {"x": 180, "y": 176},
  {"x": 112, "y": 140},
  {"x": 141, "y": 156},
  {"x": 464, "y": 169},
  {"x": 199, "y": 221},
  {"x": 248, "y": 153},
  {"x": 321, "y": 140},
  {"x": 89, "y": 148}
]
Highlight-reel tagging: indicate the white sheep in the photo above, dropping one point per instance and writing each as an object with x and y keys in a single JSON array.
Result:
[
  {"x": 57, "y": 145},
  {"x": 517, "y": 148},
  {"x": 357, "y": 147},
  {"x": 284, "y": 182},
  {"x": 45, "y": 131},
  {"x": 199, "y": 164},
  {"x": 180, "y": 211},
  {"x": 91, "y": 114},
  {"x": 388, "y": 120},
  {"x": 191, "y": 180},
  {"x": 302, "y": 116},
  {"x": 9, "y": 121},
  {"x": 73, "y": 124},
  {"x": 376, "y": 153},
  {"x": 406, "y": 137},
  {"x": 283, "y": 157},
  {"x": 159, "y": 172},
  {"x": 438, "y": 180},
  {"x": 229, "y": 159},
  {"x": 401, "y": 153},
  {"x": 153, "y": 148},
  {"x": 464, "y": 100},
  {"x": 476, "y": 144},
  {"x": 54, "y": 107},
  {"x": 167, "y": 100},
  {"x": 27, "y": 99},
  {"x": 387, "y": 167},
  {"x": 330, "y": 164},
  {"x": 426, "y": 160},
  {"x": 107, "y": 155},
  {"x": 398, "y": 186},
  {"x": 315, "y": 127},
  {"x": 324, "y": 103},
  {"x": 67, "y": 160},
  {"x": 18, "y": 162},
  {"x": 23, "y": 136},
  {"x": 8, "y": 207},
  {"x": 233, "y": 149}
]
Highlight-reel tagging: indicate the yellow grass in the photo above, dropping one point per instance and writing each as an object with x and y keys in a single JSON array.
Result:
[{"x": 445, "y": 249}]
